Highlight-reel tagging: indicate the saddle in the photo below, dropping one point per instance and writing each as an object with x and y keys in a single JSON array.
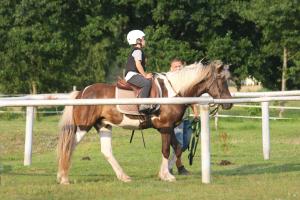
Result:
[
  {"x": 128, "y": 90},
  {"x": 124, "y": 85}
]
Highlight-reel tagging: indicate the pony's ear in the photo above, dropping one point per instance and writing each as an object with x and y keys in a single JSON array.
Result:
[
  {"x": 226, "y": 67},
  {"x": 225, "y": 71},
  {"x": 218, "y": 65}
]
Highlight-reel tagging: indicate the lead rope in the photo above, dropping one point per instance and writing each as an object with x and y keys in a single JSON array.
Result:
[
  {"x": 196, "y": 127},
  {"x": 215, "y": 109}
]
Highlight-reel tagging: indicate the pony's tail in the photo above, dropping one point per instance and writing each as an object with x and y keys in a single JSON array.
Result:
[{"x": 66, "y": 142}]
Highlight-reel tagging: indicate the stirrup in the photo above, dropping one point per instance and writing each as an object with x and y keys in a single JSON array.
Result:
[{"x": 145, "y": 111}]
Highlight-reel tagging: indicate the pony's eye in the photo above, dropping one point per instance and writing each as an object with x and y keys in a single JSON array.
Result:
[
  {"x": 226, "y": 67},
  {"x": 220, "y": 76}
]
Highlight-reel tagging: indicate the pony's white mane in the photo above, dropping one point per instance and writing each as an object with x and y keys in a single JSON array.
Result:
[{"x": 185, "y": 78}]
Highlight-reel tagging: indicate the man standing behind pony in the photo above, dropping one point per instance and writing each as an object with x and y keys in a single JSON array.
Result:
[
  {"x": 135, "y": 67},
  {"x": 183, "y": 131}
]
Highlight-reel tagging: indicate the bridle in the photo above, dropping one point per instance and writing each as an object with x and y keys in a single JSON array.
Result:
[{"x": 215, "y": 107}]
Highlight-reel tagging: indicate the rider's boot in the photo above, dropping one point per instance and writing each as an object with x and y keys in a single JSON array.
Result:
[{"x": 144, "y": 108}]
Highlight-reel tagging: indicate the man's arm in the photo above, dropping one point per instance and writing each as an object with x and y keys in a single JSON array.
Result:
[{"x": 195, "y": 110}]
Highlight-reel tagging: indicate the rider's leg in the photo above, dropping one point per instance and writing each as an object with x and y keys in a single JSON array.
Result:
[{"x": 145, "y": 84}]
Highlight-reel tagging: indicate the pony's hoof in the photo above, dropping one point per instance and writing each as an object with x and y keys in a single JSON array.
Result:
[
  {"x": 167, "y": 177},
  {"x": 64, "y": 181},
  {"x": 124, "y": 178}
]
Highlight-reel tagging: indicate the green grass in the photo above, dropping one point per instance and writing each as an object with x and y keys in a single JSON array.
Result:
[{"x": 249, "y": 177}]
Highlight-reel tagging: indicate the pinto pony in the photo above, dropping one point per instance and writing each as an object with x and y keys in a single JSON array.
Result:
[{"x": 191, "y": 81}]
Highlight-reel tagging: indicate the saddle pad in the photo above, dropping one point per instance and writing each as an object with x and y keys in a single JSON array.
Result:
[{"x": 126, "y": 109}]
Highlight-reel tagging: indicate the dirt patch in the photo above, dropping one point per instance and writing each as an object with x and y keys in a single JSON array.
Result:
[
  {"x": 86, "y": 158},
  {"x": 292, "y": 141},
  {"x": 225, "y": 162}
]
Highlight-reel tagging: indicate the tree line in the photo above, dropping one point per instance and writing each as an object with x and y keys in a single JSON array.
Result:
[{"x": 49, "y": 46}]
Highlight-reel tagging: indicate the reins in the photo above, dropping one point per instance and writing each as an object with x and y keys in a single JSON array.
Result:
[{"x": 132, "y": 134}]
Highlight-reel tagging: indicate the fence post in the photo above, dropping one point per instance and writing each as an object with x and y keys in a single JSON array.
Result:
[
  {"x": 265, "y": 130},
  {"x": 205, "y": 144},
  {"x": 28, "y": 136}
]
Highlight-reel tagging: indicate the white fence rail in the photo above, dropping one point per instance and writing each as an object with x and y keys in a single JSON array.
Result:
[
  {"x": 233, "y": 94},
  {"x": 58, "y": 99},
  {"x": 128, "y": 101},
  {"x": 273, "y": 107}
]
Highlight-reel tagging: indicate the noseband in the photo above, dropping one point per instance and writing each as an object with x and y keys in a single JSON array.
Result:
[
  {"x": 215, "y": 107},
  {"x": 220, "y": 90}
]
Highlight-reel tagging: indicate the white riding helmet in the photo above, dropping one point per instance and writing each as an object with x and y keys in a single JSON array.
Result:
[{"x": 133, "y": 35}]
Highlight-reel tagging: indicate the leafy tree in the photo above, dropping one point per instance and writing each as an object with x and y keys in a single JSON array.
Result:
[
  {"x": 280, "y": 25},
  {"x": 51, "y": 45},
  {"x": 100, "y": 38},
  {"x": 227, "y": 36},
  {"x": 54, "y": 45},
  {"x": 35, "y": 49}
]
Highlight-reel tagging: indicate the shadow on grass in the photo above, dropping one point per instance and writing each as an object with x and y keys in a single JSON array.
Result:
[
  {"x": 5, "y": 169},
  {"x": 259, "y": 169},
  {"x": 76, "y": 177}
]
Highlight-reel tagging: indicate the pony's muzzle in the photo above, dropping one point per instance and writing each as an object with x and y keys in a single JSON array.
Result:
[{"x": 227, "y": 106}]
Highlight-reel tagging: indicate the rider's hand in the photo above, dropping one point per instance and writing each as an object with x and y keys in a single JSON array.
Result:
[{"x": 149, "y": 75}]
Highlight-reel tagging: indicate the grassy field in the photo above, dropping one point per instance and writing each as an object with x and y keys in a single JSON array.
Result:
[{"x": 237, "y": 140}]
